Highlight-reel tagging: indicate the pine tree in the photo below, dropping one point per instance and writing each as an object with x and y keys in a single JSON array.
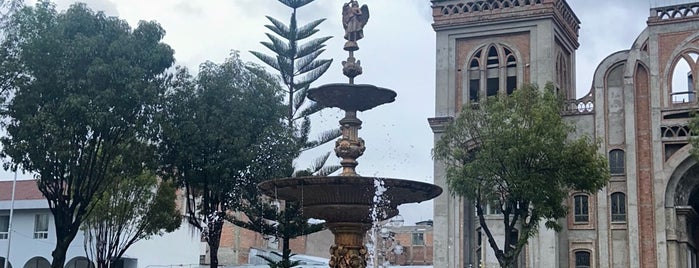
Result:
[{"x": 298, "y": 65}]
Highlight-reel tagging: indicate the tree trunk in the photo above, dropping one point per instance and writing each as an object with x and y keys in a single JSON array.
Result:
[
  {"x": 215, "y": 225},
  {"x": 65, "y": 233},
  {"x": 213, "y": 255},
  {"x": 286, "y": 252},
  {"x": 59, "y": 252}
]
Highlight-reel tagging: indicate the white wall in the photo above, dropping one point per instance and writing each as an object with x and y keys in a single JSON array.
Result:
[
  {"x": 25, "y": 247},
  {"x": 179, "y": 248}
]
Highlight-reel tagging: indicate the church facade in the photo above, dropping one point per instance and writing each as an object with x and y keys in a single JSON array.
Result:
[{"x": 639, "y": 106}]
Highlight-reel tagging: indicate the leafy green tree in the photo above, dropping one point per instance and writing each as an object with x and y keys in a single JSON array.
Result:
[
  {"x": 131, "y": 210},
  {"x": 218, "y": 130},
  {"x": 82, "y": 89},
  {"x": 296, "y": 60},
  {"x": 517, "y": 153},
  {"x": 7, "y": 9}
]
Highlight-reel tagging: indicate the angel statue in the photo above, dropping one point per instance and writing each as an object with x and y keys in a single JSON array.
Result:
[{"x": 353, "y": 19}]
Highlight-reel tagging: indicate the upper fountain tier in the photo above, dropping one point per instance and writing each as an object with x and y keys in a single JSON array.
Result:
[{"x": 351, "y": 97}]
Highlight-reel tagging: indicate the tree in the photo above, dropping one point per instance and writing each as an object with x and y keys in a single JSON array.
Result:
[
  {"x": 131, "y": 210},
  {"x": 82, "y": 90},
  {"x": 218, "y": 130},
  {"x": 298, "y": 66},
  {"x": 517, "y": 152}
]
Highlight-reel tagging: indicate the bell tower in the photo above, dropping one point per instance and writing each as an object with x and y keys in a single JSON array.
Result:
[{"x": 484, "y": 48}]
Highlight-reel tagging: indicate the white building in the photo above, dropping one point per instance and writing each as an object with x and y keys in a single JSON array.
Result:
[{"x": 33, "y": 236}]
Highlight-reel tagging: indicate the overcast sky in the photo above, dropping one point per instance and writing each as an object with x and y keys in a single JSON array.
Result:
[{"x": 397, "y": 52}]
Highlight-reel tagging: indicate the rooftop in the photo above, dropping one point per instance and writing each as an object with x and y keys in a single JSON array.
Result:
[{"x": 25, "y": 190}]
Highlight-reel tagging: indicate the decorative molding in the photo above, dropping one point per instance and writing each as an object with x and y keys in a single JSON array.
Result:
[
  {"x": 675, "y": 12},
  {"x": 451, "y": 13},
  {"x": 584, "y": 105},
  {"x": 439, "y": 123}
]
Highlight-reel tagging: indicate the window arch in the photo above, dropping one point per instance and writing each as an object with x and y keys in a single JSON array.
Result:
[
  {"x": 582, "y": 259},
  {"x": 581, "y": 208},
  {"x": 617, "y": 162},
  {"x": 492, "y": 69},
  {"x": 684, "y": 71},
  {"x": 618, "y": 209}
]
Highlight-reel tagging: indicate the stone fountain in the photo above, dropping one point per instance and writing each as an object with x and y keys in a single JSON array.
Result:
[{"x": 346, "y": 202}]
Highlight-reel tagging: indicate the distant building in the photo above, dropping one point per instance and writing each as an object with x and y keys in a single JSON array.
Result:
[
  {"x": 237, "y": 244},
  {"x": 33, "y": 236},
  {"x": 415, "y": 243}
]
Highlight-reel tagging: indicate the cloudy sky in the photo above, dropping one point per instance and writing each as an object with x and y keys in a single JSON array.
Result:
[{"x": 398, "y": 52}]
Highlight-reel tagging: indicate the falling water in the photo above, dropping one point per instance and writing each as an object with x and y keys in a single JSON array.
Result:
[{"x": 378, "y": 213}]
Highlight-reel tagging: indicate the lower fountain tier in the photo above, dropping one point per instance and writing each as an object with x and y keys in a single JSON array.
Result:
[{"x": 338, "y": 199}]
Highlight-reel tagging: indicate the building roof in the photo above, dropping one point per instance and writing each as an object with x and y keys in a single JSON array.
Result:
[{"x": 24, "y": 190}]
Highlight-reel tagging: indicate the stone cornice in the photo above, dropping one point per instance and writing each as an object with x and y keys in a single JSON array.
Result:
[{"x": 456, "y": 13}]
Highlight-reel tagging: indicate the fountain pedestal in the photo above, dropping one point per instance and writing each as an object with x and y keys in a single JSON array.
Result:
[{"x": 349, "y": 249}]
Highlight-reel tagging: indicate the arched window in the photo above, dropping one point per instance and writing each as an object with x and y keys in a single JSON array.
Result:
[
  {"x": 491, "y": 69},
  {"x": 581, "y": 209},
  {"x": 2, "y": 263},
  {"x": 618, "y": 207},
  {"x": 562, "y": 76},
  {"x": 683, "y": 82},
  {"x": 492, "y": 84},
  {"x": 617, "y": 162},
  {"x": 582, "y": 259},
  {"x": 80, "y": 262},
  {"x": 37, "y": 262}
]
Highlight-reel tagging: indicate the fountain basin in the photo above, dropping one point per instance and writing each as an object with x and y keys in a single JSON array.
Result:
[
  {"x": 351, "y": 97},
  {"x": 339, "y": 199}
]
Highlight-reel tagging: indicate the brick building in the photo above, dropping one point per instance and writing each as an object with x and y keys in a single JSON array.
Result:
[
  {"x": 639, "y": 105},
  {"x": 417, "y": 244},
  {"x": 237, "y": 243}
]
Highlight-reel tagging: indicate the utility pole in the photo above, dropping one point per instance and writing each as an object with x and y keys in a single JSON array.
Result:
[{"x": 9, "y": 227}]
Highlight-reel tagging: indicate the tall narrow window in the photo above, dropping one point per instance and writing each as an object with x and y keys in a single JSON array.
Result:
[
  {"x": 618, "y": 207},
  {"x": 581, "y": 209},
  {"x": 41, "y": 226},
  {"x": 562, "y": 85},
  {"x": 4, "y": 227},
  {"x": 474, "y": 84},
  {"x": 616, "y": 162},
  {"x": 582, "y": 259},
  {"x": 493, "y": 73},
  {"x": 510, "y": 71}
]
